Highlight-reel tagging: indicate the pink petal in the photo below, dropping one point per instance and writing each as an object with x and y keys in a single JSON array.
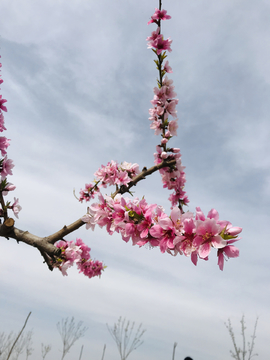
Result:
[
  {"x": 234, "y": 230},
  {"x": 221, "y": 261},
  {"x": 231, "y": 251},
  {"x": 204, "y": 250}
]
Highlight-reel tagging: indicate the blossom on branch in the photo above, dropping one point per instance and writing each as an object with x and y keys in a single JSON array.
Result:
[
  {"x": 167, "y": 67},
  {"x": 6, "y": 166},
  {"x": 77, "y": 253},
  {"x": 159, "y": 15},
  {"x": 4, "y": 143},
  {"x": 2, "y": 126},
  {"x": 16, "y": 207}
]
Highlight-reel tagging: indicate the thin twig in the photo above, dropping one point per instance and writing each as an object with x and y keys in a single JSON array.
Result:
[
  {"x": 174, "y": 347},
  {"x": 145, "y": 172},
  {"x": 104, "y": 348},
  {"x": 81, "y": 353}
]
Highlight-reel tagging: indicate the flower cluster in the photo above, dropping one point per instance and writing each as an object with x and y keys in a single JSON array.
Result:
[
  {"x": 176, "y": 234},
  {"x": 77, "y": 253},
  {"x": 173, "y": 178},
  {"x": 156, "y": 41},
  {"x": 111, "y": 174},
  {"x": 6, "y": 166},
  {"x": 164, "y": 106},
  {"x": 115, "y": 174}
]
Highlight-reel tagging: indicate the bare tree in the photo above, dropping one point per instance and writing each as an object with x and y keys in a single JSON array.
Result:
[
  {"x": 70, "y": 332},
  {"x": 44, "y": 350},
  {"x": 24, "y": 343},
  {"x": 122, "y": 333},
  {"x": 246, "y": 354},
  {"x": 5, "y": 343}
]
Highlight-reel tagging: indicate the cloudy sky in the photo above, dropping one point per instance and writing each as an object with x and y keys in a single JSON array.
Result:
[{"x": 79, "y": 79}]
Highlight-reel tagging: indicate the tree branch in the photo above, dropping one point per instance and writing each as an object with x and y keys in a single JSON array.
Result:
[
  {"x": 145, "y": 172},
  {"x": 65, "y": 231},
  {"x": 44, "y": 244}
]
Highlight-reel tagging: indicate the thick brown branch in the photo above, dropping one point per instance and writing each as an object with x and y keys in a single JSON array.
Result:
[
  {"x": 145, "y": 172},
  {"x": 45, "y": 244},
  {"x": 64, "y": 231}
]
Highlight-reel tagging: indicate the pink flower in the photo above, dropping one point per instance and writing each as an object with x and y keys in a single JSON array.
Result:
[
  {"x": 78, "y": 253},
  {"x": 73, "y": 252},
  {"x": 102, "y": 212},
  {"x": 207, "y": 235},
  {"x": 16, "y": 208},
  {"x": 162, "y": 45},
  {"x": 164, "y": 155},
  {"x": 156, "y": 125},
  {"x": 4, "y": 143},
  {"x": 167, "y": 134},
  {"x": 120, "y": 213},
  {"x": 164, "y": 141},
  {"x": 229, "y": 251},
  {"x": 64, "y": 266},
  {"x": 159, "y": 15},
  {"x": 9, "y": 187},
  {"x": 173, "y": 126},
  {"x": 157, "y": 155},
  {"x": 165, "y": 232},
  {"x": 170, "y": 107},
  {"x": 160, "y": 96},
  {"x": 167, "y": 68},
  {"x": 61, "y": 244},
  {"x": 166, "y": 81},
  {"x": 2, "y": 126},
  {"x": 233, "y": 231},
  {"x": 199, "y": 214},
  {"x": 115, "y": 174},
  {"x": 151, "y": 39},
  {"x": 132, "y": 169},
  {"x": 184, "y": 243},
  {"x": 85, "y": 250},
  {"x": 88, "y": 192},
  {"x": 2, "y": 101},
  {"x": 89, "y": 219},
  {"x": 169, "y": 92},
  {"x": 7, "y": 165},
  {"x": 144, "y": 227},
  {"x": 91, "y": 268}
]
